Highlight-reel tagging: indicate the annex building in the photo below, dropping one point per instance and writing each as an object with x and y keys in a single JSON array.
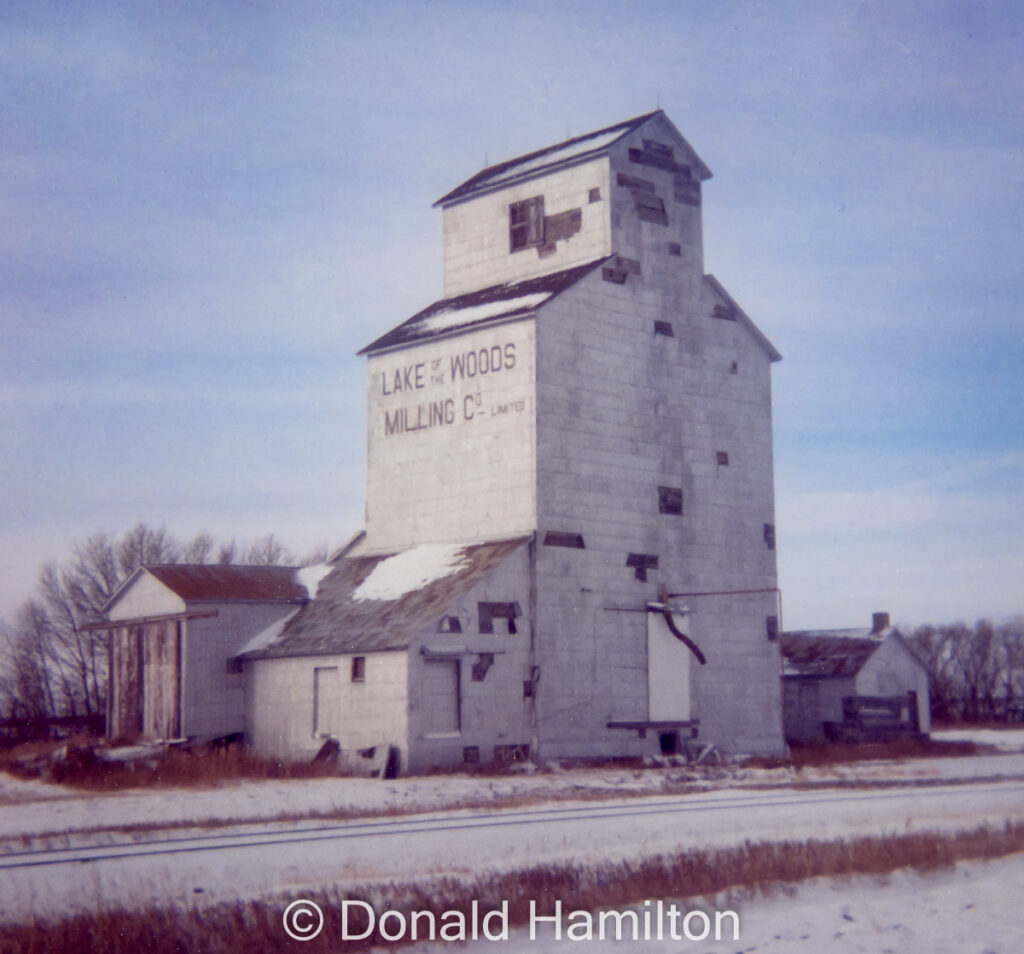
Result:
[{"x": 569, "y": 548}]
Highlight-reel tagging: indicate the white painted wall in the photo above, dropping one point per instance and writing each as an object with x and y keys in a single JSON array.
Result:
[
  {"x": 280, "y": 707},
  {"x": 146, "y": 596},
  {"x": 492, "y": 711},
  {"x": 893, "y": 671},
  {"x": 476, "y": 231},
  {"x": 668, "y": 669},
  {"x": 471, "y": 478},
  {"x": 214, "y": 699}
]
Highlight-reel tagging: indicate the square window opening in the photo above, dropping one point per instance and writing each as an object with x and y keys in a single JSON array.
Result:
[{"x": 526, "y": 223}]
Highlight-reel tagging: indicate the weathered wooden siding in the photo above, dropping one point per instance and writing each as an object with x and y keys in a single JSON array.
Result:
[
  {"x": 161, "y": 684},
  {"x": 126, "y": 688}
]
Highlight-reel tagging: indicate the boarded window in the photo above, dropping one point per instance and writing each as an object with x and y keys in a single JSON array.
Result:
[
  {"x": 483, "y": 663},
  {"x": 326, "y": 708},
  {"x": 441, "y": 692},
  {"x": 670, "y": 500},
  {"x": 526, "y": 223},
  {"x": 650, "y": 208},
  {"x": 640, "y": 563},
  {"x": 489, "y": 612}
]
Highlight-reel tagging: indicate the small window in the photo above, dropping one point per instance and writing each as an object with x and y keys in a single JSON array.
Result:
[
  {"x": 526, "y": 223},
  {"x": 769, "y": 535},
  {"x": 664, "y": 328},
  {"x": 771, "y": 627},
  {"x": 670, "y": 500},
  {"x": 723, "y": 458},
  {"x": 674, "y": 248},
  {"x": 595, "y": 195},
  {"x": 359, "y": 669}
]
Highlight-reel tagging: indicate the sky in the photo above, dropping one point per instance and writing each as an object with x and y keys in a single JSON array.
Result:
[{"x": 207, "y": 208}]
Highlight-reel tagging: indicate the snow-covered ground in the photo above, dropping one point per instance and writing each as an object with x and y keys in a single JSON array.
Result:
[
  {"x": 679, "y": 808},
  {"x": 33, "y": 809},
  {"x": 970, "y": 910}
]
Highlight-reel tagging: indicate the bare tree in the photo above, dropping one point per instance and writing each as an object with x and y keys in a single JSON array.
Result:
[{"x": 267, "y": 551}]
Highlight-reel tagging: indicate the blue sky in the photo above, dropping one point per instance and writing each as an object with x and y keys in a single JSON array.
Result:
[{"x": 207, "y": 208}]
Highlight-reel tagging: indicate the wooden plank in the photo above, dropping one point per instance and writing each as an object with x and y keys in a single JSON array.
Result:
[{"x": 112, "y": 624}]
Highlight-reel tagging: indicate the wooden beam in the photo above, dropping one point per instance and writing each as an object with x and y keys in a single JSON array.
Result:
[{"x": 139, "y": 620}]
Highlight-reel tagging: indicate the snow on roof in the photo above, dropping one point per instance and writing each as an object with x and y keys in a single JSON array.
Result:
[
  {"x": 454, "y": 316},
  {"x": 507, "y": 300},
  {"x": 310, "y": 577},
  {"x": 575, "y": 148},
  {"x": 379, "y": 603},
  {"x": 411, "y": 570}
]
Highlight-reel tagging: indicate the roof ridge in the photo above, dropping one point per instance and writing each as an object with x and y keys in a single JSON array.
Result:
[{"x": 489, "y": 172}]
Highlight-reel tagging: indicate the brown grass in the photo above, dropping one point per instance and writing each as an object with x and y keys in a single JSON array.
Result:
[
  {"x": 828, "y": 753},
  {"x": 198, "y": 769},
  {"x": 254, "y": 926}
]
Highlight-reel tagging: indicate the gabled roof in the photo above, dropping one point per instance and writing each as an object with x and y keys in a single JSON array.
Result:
[
  {"x": 223, "y": 584},
  {"x": 577, "y": 149},
  {"x": 378, "y": 603},
  {"x": 835, "y": 652},
  {"x": 488, "y": 305},
  {"x": 726, "y": 299}
]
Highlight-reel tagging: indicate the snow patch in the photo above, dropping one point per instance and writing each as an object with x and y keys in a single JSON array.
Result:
[
  {"x": 411, "y": 570},
  {"x": 266, "y": 636},
  {"x": 311, "y": 576},
  {"x": 551, "y": 156},
  {"x": 454, "y": 317}
]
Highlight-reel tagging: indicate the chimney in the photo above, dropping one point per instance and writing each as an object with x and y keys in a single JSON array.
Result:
[{"x": 879, "y": 623}]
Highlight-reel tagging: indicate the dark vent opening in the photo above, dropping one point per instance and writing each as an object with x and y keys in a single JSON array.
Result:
[
  {"x": 556, "y": 538},
  {"x": 670, "y": 500},
  {"x": 489, "y": 612},
  {"x": 640, "y": 563}
]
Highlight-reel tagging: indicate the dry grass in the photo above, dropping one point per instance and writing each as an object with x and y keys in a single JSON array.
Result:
[
  {"x": 177, "y": 769},
  {"x": 255, "y": 926},
  {"x": 828, "y": 753}
]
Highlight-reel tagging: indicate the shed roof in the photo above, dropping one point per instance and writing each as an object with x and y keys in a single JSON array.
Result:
[
  {"x": 492, "y": 304},
  {"x": 830, "y": 652},
  {"x": 571, "y": 150},
  {"x": 224, "y": 584},
  {"x": 377, "y": 603}
]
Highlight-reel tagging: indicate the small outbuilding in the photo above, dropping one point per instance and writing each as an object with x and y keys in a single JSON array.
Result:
[
  {"x": 174, "y": 633},
  {"x": 878, "y": 674}
]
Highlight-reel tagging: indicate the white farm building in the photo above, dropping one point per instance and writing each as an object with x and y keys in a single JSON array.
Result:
[{"x": 569, "y": 547}]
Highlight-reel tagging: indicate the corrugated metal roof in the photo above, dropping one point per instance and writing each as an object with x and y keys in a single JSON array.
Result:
[
  {"x": 496, "y": 303},
  {"x": 571, "y": 150},
  {"x": 231, "y": 583},
  {"x": 339, "y": 622},
  {"x": 835, "y": 652}
]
